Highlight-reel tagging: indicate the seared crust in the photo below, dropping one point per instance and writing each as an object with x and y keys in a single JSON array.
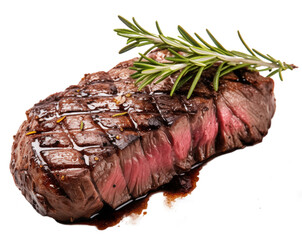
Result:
[{"x": 104, "y": 142}]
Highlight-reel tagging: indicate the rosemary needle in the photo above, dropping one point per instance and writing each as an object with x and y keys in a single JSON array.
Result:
[{"x": 196, "y": 54}]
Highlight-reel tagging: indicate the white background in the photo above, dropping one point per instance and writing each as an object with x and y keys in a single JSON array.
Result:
[{"x": 254, "y": 193}]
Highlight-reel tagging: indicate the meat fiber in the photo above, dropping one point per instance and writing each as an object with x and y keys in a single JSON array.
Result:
[{"x": 104, "y": 142}]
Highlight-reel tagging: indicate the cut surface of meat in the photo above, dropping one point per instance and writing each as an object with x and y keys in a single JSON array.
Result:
[{"x": 103, "y": 142}]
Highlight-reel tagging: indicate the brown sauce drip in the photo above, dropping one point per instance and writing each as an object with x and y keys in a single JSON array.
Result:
[{"x": 180, "y": 186}]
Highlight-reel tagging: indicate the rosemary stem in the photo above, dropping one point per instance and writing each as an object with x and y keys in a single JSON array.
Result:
[
  {"x": 154, "y": 39},
  {"x": 191, "y": 57},
  {"x": 237, "y": 60}
]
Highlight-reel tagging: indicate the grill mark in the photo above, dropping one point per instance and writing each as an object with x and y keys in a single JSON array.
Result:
[
  {"x": 44, "y": 103},
  {"x": 135, "y": 124},
  {"x": 154, "y": 102},
  {"x": 35, "y": 143},
  {"x": 103, "y": 110},
  {"x": 37, "y": 150},
  {"x": 109, "y": 138},
  {"x": 96, "y": 81},
  {"x": 105, "y": 130},
  {"x": 74, "y": 145},
  {"x": 81, "y": 113},
  {"x": 45, "y": 168},
  {"x": 68, "y": 166}
]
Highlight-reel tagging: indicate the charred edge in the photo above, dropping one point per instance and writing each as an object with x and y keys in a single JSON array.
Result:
[
  {"x": 240, "y": 76},
  {"x": 52, "y": 98}
]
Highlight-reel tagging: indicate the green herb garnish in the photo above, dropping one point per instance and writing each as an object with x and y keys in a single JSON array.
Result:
[
  {"x": 119, "y": 114},
  {"x": 191, "y": 56}
]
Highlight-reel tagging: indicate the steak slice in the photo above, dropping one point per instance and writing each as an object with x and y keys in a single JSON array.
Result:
[{"x": 103, "y": 142}]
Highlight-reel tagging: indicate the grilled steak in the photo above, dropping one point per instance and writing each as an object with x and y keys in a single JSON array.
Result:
[{"x": 104, "y": 142}]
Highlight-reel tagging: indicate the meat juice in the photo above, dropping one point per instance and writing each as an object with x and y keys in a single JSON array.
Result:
[{"x": 180, "y": 186}]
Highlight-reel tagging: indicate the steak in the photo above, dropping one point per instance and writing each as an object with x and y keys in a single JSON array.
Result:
[{"x": 103, "y": 142}]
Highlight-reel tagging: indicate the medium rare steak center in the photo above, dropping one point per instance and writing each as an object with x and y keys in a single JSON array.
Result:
[
  {"x": 121, "y": 134},
  {"x": 104, "y": 142}
]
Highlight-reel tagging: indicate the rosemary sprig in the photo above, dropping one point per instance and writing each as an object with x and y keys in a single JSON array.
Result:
[{"x": 191, "y": 57}]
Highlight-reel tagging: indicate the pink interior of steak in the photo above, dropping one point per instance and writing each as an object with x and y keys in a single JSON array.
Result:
[{"x": 105, "y": 142}]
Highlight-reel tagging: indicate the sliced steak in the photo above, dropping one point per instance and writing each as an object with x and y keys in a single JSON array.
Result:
[
  {"x": 159, "y": 153},
  {"x": 104, "y": 142}
]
